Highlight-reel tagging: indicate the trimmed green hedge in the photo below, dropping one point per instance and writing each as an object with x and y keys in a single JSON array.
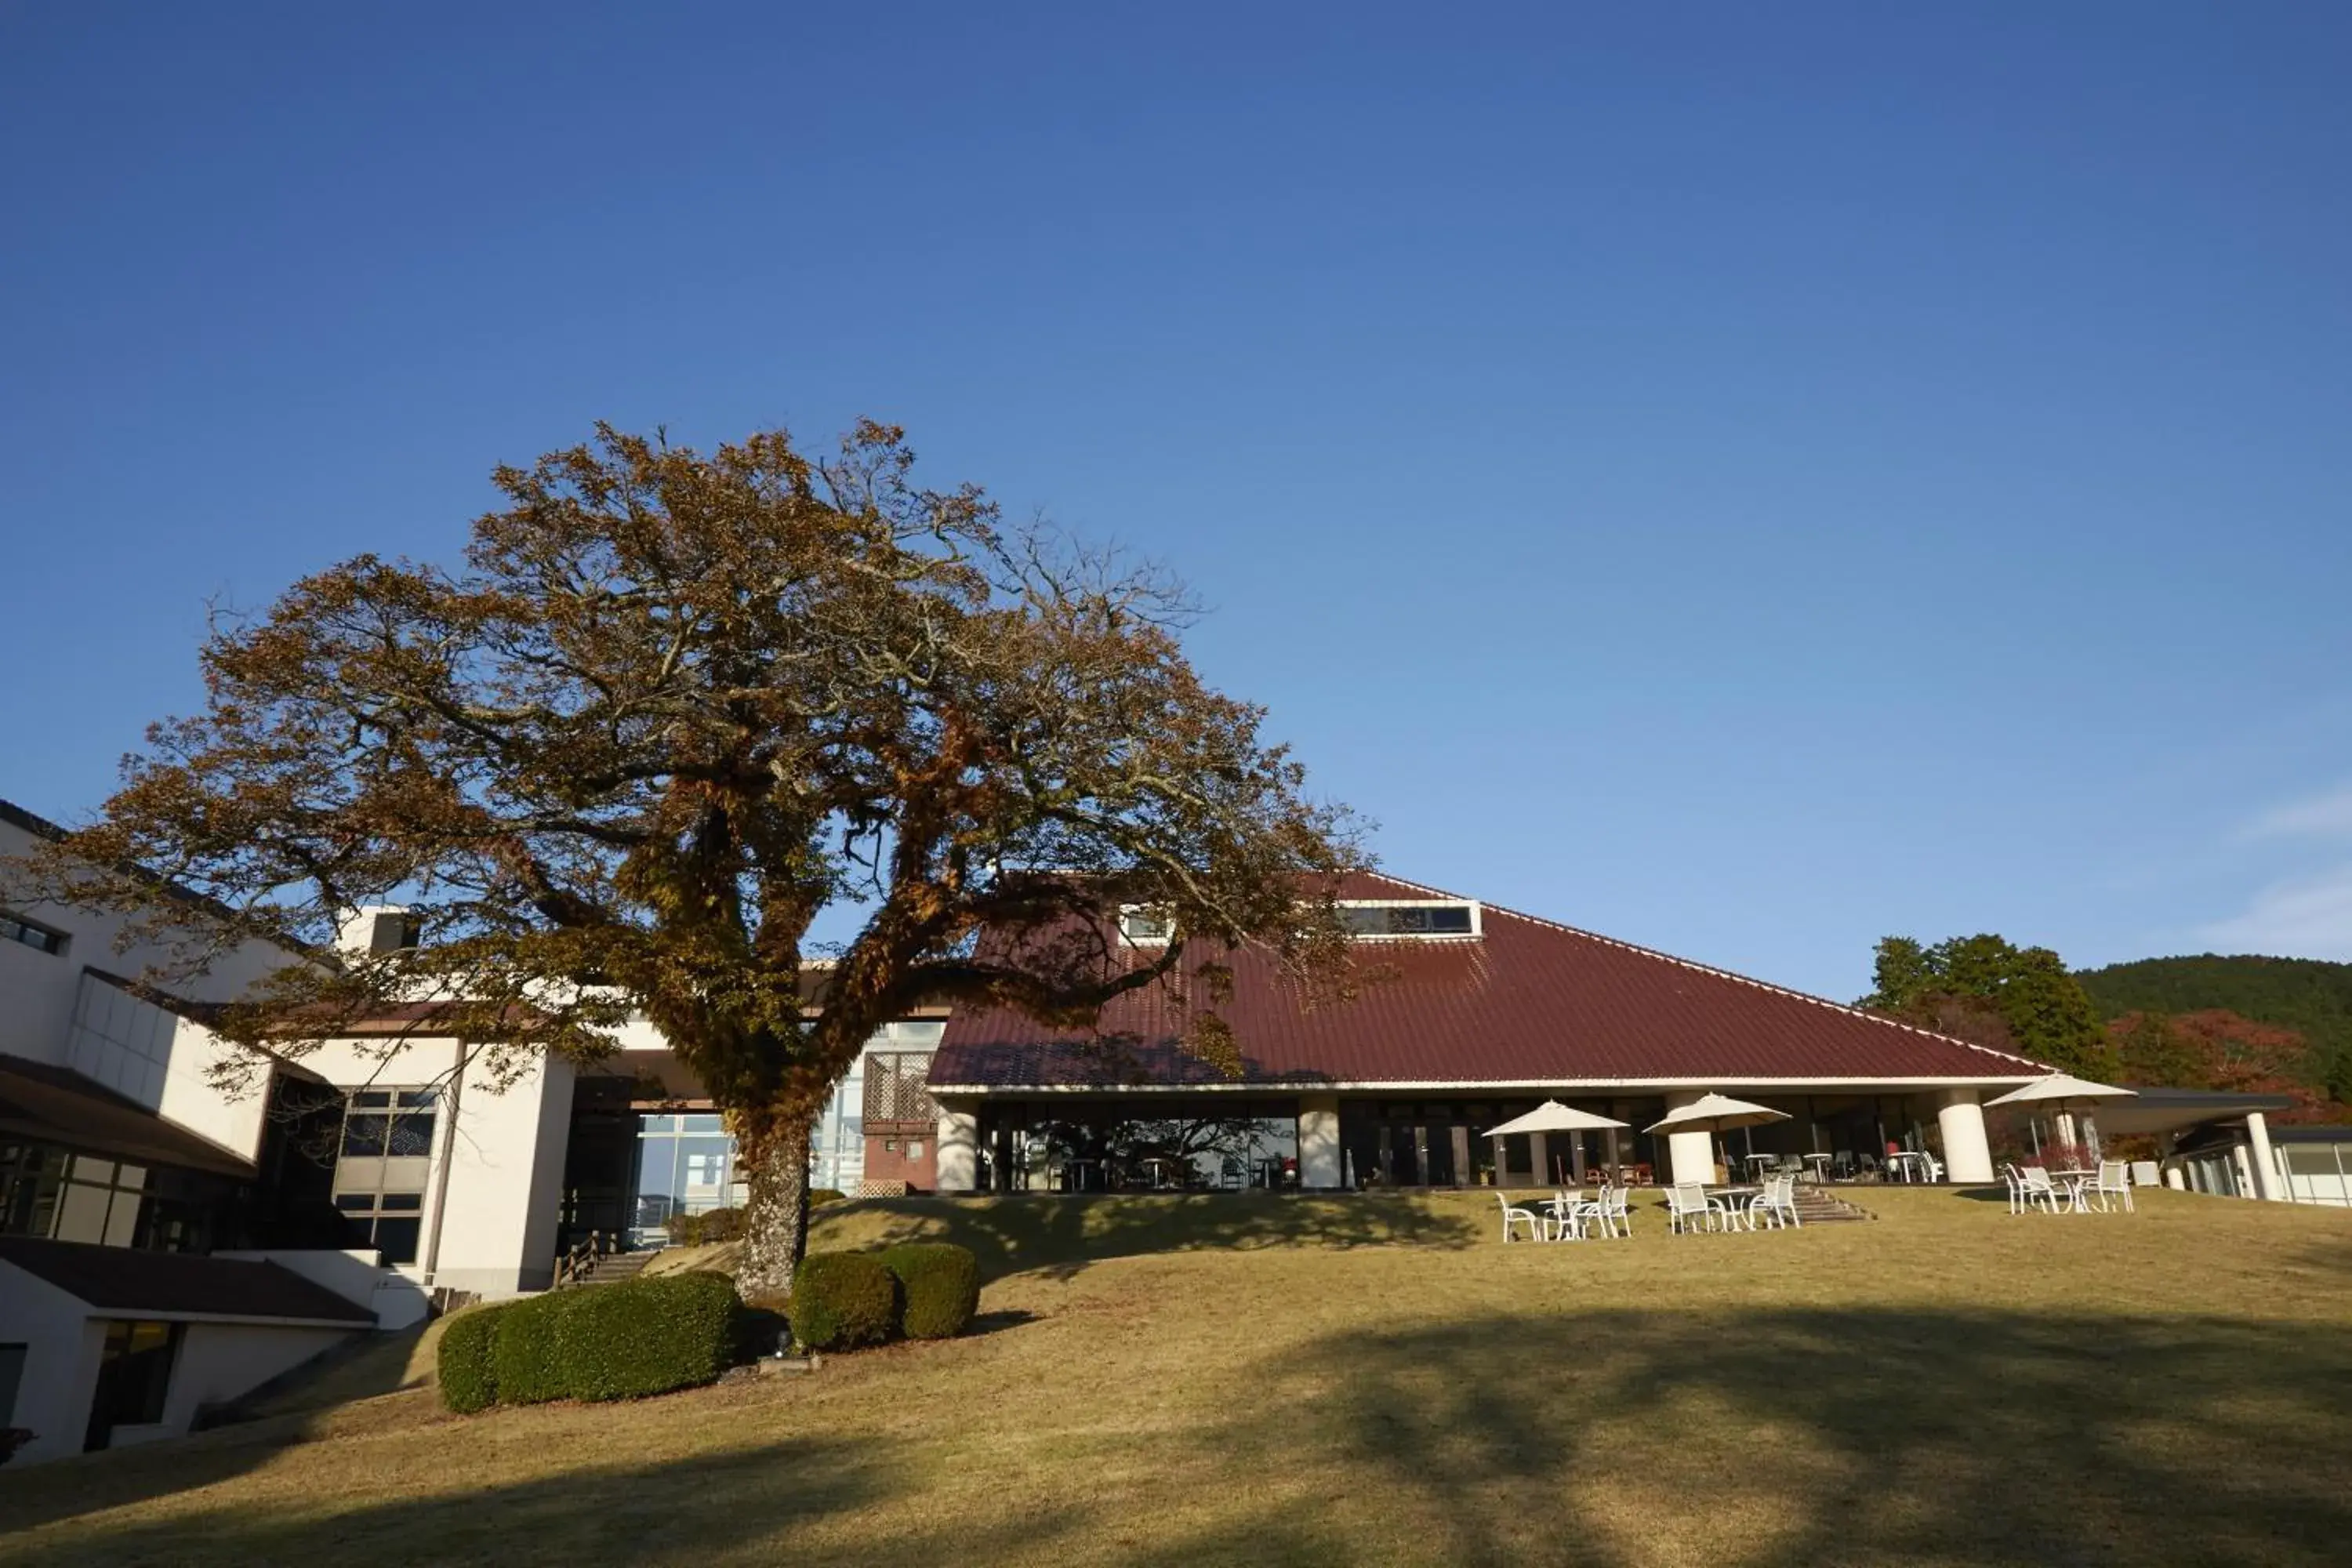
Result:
[
  {"x": 939, "y": 1285},
  {"x": 842, "y": 1300},
  {"x": 468, "y": 1380},
  {"x": 600, "y": 1342},
  {"x": 525, "y": 1361},
  {"x": 647, "y": 1336}
]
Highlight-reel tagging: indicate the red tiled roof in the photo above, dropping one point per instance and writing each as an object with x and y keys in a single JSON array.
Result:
[{"x": 1528, "y": 1002}]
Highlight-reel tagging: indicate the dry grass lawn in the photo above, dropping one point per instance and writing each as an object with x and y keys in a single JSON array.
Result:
[{"x": 1376, "y": 1380}]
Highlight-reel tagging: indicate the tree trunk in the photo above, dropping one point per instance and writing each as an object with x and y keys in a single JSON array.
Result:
[{"x": 775, "y": 1223}]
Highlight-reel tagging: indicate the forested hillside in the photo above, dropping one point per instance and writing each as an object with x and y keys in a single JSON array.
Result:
[{"x": 2312, "y": 997}]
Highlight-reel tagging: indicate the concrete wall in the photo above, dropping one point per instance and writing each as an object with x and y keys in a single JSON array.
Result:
[
  {"x": 958, "y": 1148},
  {"x": 41, "y": 989},
  {"x": 64, "y": 1339},
  {"x": 165, "y": 1062},
  {"x": 359, "y": 1276},
  {"x": 61, "y": 1353},
  {"x": 218, "y": 1362},
  {"x": 1319, "y": 1164},
  {"x": 502, "y": 1150}
]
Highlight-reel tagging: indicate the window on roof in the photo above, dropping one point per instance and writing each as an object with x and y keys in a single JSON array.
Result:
[
  {"x": 1410, "y": 920},
  {"x": 1144, "y": 925},
  {"x": 30, "y": 934}
]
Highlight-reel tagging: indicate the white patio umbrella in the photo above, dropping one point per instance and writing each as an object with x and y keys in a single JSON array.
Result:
[
  {"x": 1714, "y": 1113},
  {"x": 1551, "y": 1116},
  {"x": 2062, "y": 1091},
  {"x": 2059, "y": 1092}
]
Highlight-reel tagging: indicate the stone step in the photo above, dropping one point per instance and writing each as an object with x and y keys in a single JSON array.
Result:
[
  {"x": 615, "y": 1267},
  {"x": 1816, "y": 1205}
]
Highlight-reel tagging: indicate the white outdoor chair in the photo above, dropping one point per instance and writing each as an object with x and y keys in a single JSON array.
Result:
[
  {"x": 1565, "y": 1223},
  {"x": 2040, "y": 1189},
  {"x": 1609, "y": 1212},
  {"x": 2115, "y": 1182},
  {"x": 1777, "y": 1203},
  {"x": 1587, "y": 1214},
  {"x": 1689, "y": 1208},
  {"x": 1933, "y": 1166},
  {"x": 1528, "y": 1218},
  {"x": 2016, "y": 1187}
]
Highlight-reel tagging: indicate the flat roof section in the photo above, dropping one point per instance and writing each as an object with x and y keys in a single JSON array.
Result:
[
  {"x": 56, "y": 1105},
  {"x": 124, "y": 1281}
]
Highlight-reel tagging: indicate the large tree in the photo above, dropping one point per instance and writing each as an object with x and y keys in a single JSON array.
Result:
[
  {"x": 1985, "y": 989},
  {"x": 671, "y": 711}
]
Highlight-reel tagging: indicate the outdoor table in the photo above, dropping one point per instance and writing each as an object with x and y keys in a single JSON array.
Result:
[
  {"x": 1732, "y": 1196},
  {"x": 1073, "y": 1174},
  {"x": 1755, "y": 1163},
  {"x": 1907, "y": 1160},
  {"x": 1160, "y": 1167},
  {"x": 1820, "y": 1168},
  {"x": 1562, "y": 1204},
  {"x": 2075, "y": 1181}
]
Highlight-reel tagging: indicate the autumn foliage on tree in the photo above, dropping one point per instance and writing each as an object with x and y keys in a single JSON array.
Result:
[
  {"x": 670, "y": 711},
  {"x": 2216, "y": 1049}
]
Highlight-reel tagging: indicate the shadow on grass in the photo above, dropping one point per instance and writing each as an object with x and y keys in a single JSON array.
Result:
[
  {"x": 714, "y": 1508},
  {"x": 1616, "y": 1437},
  {"x": 1837, "y": 1435},
  {"x": 1060, "y": 1235}
]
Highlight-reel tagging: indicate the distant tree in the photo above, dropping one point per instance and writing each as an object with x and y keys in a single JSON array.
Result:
[
  {"x": 2217, "y": 1049},
  {"x": 1983, "y": 988},
  {"x": 675, "y": 708},
  {"x": 2311, "y": 997}
]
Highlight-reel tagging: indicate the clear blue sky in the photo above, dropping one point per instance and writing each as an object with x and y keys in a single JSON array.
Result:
[{"x": 1743, "y": 479}]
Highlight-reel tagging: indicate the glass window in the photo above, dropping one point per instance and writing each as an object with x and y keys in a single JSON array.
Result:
[
  {"x": 1411, "y": 920},
  {"x": 701, "y": 1124},
  {"x": 701, "y": 1167},
  {"x": 1144, "y": 925},
  {"x": 11, "y": 1372},
  {"x": 39, "y": 938},
  {"x": 387, "y": 1136},
  {"x": 366, "y": 1136},
  {"x": 397, "y": 1238},
  {"x": 411, "y": 1136},
  {"x": 391, "y": 1223},
  {"x": 134, "y": 1374}
]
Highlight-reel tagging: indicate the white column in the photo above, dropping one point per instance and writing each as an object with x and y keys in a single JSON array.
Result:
[
  {"x": 2257, "y": 1136},
  {"x": 1690, "y": 1156},
  {"x": 1967, "y": 1157},
  {"x": 1318, "y": 1141},
  {"x": 958, "y": 1150},
  {"x": 1576, "y": 1158},
  {"x": 1539, "y": 1153},
  {"x": 1501, "y": 1170}
]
